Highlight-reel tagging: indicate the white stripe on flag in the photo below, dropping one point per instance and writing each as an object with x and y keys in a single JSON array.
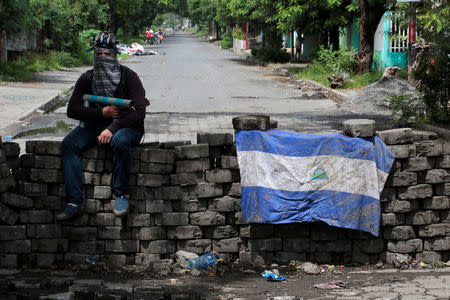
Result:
[{"x": 323, "y": 172}]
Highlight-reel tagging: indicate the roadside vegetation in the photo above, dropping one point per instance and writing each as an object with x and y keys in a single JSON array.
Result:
[
  {"x": 66, "y": 29},
  {"x": 340, "y": 62}
]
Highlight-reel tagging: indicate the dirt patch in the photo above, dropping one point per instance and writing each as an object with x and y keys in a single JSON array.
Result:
[{"x": 373, "y": 98}]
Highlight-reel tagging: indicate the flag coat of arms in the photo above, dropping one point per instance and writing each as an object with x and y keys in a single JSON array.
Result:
[{"x": 289, "y": 177}]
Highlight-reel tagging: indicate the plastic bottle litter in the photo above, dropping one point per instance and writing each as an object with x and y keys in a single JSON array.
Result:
[
  {"x": 92, "y": 260},
  {"x": 202, "y": 262},
  {"x": 271, "y": 276},
  {"x": 8, "y": 138}
]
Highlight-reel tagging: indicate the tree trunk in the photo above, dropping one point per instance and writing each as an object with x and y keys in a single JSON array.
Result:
[
  {"x": 217, "y": 31},
  {"x": 370, "y": 17},
  {"x": 3, "y": 51},
  {"x": 365, "y": 54},
  {"x": 112, "y": 27}
]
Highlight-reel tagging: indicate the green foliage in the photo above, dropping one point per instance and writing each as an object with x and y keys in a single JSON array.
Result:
[
  {"x": 312, "y": 15},
  {"x": 271, "y": 54},
  {"x": 318, "y": 72},
  {"x": 237, "y": 33},
  {"x": 355, "y": 81},
  {"x": 15, "y": 16},
  {"x": 202, "y": 33},
  {"x": 340, "y": 61},
  {"x": 201, "y": 11},
  {"x": 315, "y": 72},
  {"x": 437, "y": 265},
  {"x": 21, "y": 68},
  {"x": 227, "y": 41},
  {"x": 14, "y": 71},
  {"x": 407, "y": 109},
  {"x": 433, "y": 71},
  {"x": 434, "y": 75}
]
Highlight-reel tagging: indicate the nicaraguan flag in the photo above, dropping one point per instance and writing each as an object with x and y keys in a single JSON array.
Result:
[{"x": 291, "y": 177}]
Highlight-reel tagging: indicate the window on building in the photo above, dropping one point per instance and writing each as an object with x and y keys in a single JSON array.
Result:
[{"x": 398, "y": 41}]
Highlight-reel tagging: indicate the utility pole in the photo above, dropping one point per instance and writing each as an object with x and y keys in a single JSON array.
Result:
[{"x": 411, "y": 35}]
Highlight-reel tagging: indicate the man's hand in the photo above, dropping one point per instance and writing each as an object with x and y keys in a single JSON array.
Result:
[
  {"x": 105, "y": 137},
  {"x": 110, "y": 111}
]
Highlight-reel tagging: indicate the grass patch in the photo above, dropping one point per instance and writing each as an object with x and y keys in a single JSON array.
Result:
[
  {"x": 20, "y": 69},
  {"x": 122, "y": 56},
  {"x": 356, "y": 81},
  {"x": 315, "y": 72},
  {"x": 319, "y": 73}
]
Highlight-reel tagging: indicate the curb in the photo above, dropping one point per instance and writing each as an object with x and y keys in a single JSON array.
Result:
[
  {"x": 333, "y": 92},
  {"x": 47, "y": 106},
  {"x": 339, "y": 95}
]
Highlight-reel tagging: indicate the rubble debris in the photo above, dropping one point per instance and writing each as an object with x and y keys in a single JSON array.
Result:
[
  {"x": 135, "y": 49},
  {"x": 336, "y": 81},
  {"x": 182, "y": 257},
  {"x": 400, "y": 261},
  {"x": 391, "y": 71},
  {"x": 331, "y": 285},
  {"x": 310, "y": 268},
  {"x": 374, "y": 97}
]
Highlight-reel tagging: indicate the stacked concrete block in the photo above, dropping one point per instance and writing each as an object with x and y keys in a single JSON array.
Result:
[
  {"x": 417, "y": 199},
  {"x": 187, "y": 197},
  {"x": 7, "y": 183}
]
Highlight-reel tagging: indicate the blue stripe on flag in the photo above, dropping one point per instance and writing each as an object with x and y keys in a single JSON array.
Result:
[
  {"x": 384, "y": 158},
  {"x": 264, "y": 205},
  {"x": 286, "y": 143}
]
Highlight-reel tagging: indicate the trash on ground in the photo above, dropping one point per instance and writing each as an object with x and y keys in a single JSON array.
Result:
[
  {"x": 202, "y": 262},
  {"x": 135, "y": 49},
  {"x": 331, "y": 285},
  {"x": 418, "y": 264},
  {"x": 91, "y": 260},
  {"x": 310, "y": 268},
  {"x": 400, "y": 260},
  {"x": 270, "y": 276},
  {"x": 336, "y": 81}
]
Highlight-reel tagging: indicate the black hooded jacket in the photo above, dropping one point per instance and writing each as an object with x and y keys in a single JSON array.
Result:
[{"x": 130, "y": 87}]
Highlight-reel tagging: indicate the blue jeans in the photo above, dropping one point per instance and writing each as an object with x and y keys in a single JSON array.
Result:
[{"x": 80, "y": 139}]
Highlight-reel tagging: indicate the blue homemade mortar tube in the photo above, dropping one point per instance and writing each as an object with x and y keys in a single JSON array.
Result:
[{"x": 105, "y": 101}]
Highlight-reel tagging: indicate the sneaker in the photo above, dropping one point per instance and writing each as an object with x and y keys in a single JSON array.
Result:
[
  {"x": 71, "y": 210},
  {"x": 121, "y": 206}
]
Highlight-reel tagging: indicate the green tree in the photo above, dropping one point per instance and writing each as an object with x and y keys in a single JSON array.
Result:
[
  {"x": 314, "y": 16},
  {"x": 62, "y": 20},
  {"x": 15, "y": 16},
  {"x": 260, "y": 13},
  {"x": 433, "y": 70}
]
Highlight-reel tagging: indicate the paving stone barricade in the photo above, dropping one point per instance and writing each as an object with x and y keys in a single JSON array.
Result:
[{"x": 187, "y": 197}]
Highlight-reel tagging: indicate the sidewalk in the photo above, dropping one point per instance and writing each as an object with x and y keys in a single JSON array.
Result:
[{"x": 20, "y": 99}]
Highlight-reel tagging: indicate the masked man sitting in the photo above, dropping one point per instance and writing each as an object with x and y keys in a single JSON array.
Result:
[{"x": 120, "y": 128}]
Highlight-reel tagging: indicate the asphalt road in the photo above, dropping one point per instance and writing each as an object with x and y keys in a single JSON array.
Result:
[
  {"x": 196, "y": 76},
  {"x": 196, "y": 86}
]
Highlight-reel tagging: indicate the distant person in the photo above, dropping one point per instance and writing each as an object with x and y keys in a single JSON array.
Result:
[
  {"x": 107, "y": 78},
  {"x": 152, "y": 36},
  {"x": 298, "y": 47},
  {"x": 149, "y": 36},
  {"x": 160, "y": 36}
]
